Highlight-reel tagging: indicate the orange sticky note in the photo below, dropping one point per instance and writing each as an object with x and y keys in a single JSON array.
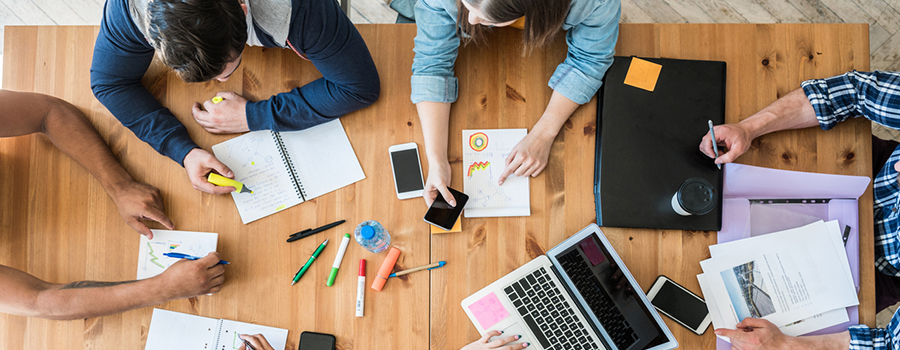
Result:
[
  {"x": 642, "y": 74},
  {"x": 456, "y": 228}
]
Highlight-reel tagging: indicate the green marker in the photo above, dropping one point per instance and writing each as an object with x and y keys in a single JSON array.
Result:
[
  {"x": 309, "y": 262},
  {"x": 338, "y": 258}
]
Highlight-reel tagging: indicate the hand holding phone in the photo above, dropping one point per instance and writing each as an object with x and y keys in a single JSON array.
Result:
[{"x": 442, "y": 214}]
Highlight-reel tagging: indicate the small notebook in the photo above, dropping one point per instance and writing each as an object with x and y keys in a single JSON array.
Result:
[
  {"x": 484, "y": 158},
  {"x": 174, "y": 330},
  {"x": 284, "y": 169},
  {"x": 151, "y": 260}
]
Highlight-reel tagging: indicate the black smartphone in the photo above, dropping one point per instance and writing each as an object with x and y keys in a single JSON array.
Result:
[
  {"x": 316, "y": 341},
  {"x": 680, "y": 304},
  {"x": 441, "y": 214}
]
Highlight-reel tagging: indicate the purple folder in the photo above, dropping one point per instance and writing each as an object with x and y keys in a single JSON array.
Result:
[{"x": 822, "y": 196}]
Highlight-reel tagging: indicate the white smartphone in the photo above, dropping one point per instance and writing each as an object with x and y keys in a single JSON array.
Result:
[
  {"x": 407, "y": 170},
  {"x": 679, "y": 304}
]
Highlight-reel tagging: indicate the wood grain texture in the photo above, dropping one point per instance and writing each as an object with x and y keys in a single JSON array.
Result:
[{"x": 59, "y": 224}]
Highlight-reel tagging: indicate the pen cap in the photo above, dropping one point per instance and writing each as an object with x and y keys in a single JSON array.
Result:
[{"x": 385, "y": 269}]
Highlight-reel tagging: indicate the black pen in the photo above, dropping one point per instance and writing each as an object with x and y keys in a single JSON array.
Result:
[
  {"x": 310, "y": 232},
  {"x": 846, "y": 235},
  {"x": 249, "y": 346}
]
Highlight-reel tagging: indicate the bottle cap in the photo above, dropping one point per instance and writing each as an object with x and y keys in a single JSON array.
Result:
[{"x": 367, "y": 232}]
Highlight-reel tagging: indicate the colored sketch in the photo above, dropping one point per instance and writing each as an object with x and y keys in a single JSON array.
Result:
[
  {"x": 487, "y": 198},
  {"x": 478, "y": 166},
  {"x": 151, "y": 260},
  {"x": 478, "y": 141}
]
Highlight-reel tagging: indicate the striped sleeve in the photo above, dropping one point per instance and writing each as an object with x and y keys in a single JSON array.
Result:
[{"x": 873, "y": 95}]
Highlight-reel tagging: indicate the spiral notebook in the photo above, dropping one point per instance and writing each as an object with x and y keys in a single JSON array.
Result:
[
  {"x": 288, "y": 168},
  {"x": 174, "y": 330}
]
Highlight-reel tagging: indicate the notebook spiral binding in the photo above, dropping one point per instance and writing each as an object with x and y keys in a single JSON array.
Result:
[
  {"x": 218, "y": 334},
  {"x": 298, "y": 186}
]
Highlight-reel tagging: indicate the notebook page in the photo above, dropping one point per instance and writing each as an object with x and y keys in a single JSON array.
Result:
[
  {"x": 257, "y": 163},
  {"x": 174, "y": 330},
  {"x": 323, "y": 158},
  {"x": 151, "y": 260},
  {"x": 228, "y": 336},
  {"x": 484, "y": 158}
]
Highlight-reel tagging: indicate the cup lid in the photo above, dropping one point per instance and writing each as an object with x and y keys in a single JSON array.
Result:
[{"x": 697, "y": 196}]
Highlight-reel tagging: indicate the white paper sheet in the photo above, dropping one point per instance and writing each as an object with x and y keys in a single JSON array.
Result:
[
  {"x": 152, "y": 262},
  {"x": 175, "y": 330},
  {"x": 484, "y": 159}
]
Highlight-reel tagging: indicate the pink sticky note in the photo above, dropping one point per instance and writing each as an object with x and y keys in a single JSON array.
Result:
[
  {"x": 488, "y": 311},
  {"x": 592, "y": 250}
]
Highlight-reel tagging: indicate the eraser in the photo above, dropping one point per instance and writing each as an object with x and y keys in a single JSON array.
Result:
[{"x": 385, "y": 269}]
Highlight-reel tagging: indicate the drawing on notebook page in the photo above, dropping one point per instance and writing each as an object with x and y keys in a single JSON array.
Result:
[
  {"x": 151, "y": 260},
  {"x": 484, "y": 156}
]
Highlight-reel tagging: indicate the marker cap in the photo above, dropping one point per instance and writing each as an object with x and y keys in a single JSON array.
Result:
[
  {"x": 362, "y": 267},
  {"x": 385, "y": 269}
]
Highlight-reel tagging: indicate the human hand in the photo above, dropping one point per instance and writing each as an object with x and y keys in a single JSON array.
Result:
[
  {"x": 198, "y": 163},
  {"x": 529, "y": 156},
  {"x": 756, "y": 334},
  {"x": 258, "y": 341},
  {"x": 437, "y": 182},
  {"x": 484, "y": 344},
  {"x": 136, "y": 202},
  {"x": 187, "y": 278},
  {"x": 735, "y": 138},
  {"x": 226, "y": 117}
]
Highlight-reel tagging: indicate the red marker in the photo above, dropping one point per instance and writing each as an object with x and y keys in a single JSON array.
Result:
[{"x": 361, "y": 288}]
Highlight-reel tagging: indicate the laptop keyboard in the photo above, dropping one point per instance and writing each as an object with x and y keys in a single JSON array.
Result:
[
  {"x": 600, "y": 303},
  {"x": 539, "y": 301}
]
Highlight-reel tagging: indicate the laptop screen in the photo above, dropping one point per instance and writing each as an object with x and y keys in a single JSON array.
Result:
[{"x": 593, "y": 273}]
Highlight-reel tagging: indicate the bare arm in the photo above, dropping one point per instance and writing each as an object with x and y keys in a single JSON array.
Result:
[
  {"x": 435, "y": 119},
  {"x": 26, "y": 295},
  {"x": 793, "y": 111},
  {"x": 26, "y": 113},
  {"x": 759, "y": 334}
]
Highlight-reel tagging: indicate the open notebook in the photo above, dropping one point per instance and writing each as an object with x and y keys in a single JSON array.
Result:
[
  {"x": 484, "y": 158},
  {"x": 174, "y": 330},
  {"x": 287, "y": 168}
]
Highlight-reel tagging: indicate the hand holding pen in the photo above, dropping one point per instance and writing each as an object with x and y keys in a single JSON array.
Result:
[
  {"x": 187, "y": 278},
  {"x": 735, "y": 137},
  {"x": 254, "y": 342}
]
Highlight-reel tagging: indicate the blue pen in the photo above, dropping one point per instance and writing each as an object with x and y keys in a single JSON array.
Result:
[
  {"x": 190, "y": 257},
  {"x": 715, "y": 147},
  {"x": 420, "y": 268}
]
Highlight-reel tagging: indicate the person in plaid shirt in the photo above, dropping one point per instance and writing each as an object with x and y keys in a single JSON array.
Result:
[{"x": 826, "y": 102}]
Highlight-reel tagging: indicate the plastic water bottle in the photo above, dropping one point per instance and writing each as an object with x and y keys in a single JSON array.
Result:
[{"x": 372, "y": 236}]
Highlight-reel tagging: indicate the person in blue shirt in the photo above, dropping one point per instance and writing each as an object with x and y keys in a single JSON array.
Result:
[
  {"x": 825, "y": 103},
  {"x": 592, "y": 29},
  {"x": 203, "y": 40}
]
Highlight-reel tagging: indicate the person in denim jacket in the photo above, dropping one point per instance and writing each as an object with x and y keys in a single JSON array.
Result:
[{"x": 592, "y": 27}]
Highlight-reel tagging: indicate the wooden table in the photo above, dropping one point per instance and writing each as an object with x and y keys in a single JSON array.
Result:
[{"x": 58, "y": 223}]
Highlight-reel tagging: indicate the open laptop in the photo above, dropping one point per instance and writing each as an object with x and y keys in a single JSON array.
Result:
[{"x": 568, "y": 299}]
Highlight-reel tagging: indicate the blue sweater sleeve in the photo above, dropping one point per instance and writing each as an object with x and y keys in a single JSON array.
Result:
[
  {"x": 321, "y": 31},
  {"x": 121, "y": 58}
]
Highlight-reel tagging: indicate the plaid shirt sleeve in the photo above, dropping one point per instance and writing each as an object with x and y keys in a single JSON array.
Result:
[
  {"x": 875, "y": 96},
  {"x": 862, "y": 337}
]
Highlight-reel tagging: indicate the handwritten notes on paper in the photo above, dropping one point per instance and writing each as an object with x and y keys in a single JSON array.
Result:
[
  {"x": 484, "y": 158},
  {"x": 642, "y": 74}
]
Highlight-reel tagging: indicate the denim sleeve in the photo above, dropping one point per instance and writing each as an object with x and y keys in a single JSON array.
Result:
[
  {"x": 436, "y": 47},
  {"x": 865, "y": 338},
  {"x": 121, "y": 57},
  {"x": 875, "y": 96},
  {"x": 592, "y": 44},
  {"x": 321, "y": 31}
]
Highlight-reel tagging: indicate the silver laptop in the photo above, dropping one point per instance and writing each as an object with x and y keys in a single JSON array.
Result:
[{"x": 568, "y": 299}]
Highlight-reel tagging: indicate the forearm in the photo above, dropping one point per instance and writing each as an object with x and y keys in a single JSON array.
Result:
[
  {"x": 793, "y": 111},
  {"x": 558, "y": 111},
  {"x": 835, "y": 341},
  {"x": 88, "y": 299},
  {"x": 435, "y": 120}
]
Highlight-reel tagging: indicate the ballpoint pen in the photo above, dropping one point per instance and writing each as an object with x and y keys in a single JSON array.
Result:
[
  {"x": 190, "y": 257},
  {"x": 712, "y": 133},
  {"x": 311, "y": 231},
  {"x": 309, "y": 262}
]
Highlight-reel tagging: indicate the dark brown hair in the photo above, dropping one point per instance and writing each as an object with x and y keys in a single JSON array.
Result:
[
  {"x": 543, "y": 18},
  {"x": 197, "y": 38}
]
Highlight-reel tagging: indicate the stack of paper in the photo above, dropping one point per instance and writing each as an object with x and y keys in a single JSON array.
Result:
[{"x": 798, "y": 279}]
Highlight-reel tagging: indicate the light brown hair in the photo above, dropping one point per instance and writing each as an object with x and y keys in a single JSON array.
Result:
[{"x": 543, "y": 19}]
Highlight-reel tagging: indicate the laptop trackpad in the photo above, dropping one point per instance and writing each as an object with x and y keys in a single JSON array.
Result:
[{"x": 514, "y": 329}]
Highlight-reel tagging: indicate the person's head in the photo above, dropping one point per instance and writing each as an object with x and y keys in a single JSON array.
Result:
[
  {"x": 543, "y": 18},
  {"x": 200, "y": 40}
]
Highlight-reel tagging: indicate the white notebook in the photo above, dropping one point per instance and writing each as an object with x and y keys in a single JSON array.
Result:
[
  {"x": 174, "y": 330},
  {"x": 484, "y": 158},
  {"x": 151, "y": 260},
  {"x": 284, "y": 169}
]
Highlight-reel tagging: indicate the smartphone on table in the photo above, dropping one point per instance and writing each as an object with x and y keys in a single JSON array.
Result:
[
  {"x": 441, "y": 214},
  {"x": 407, "y": 169},
  {"x": 679, "y": 304},
  {"x": 316, "y": 341}
]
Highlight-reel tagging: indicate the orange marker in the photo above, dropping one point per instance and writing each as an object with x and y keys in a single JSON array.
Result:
[{"x": 385, "y": 269}]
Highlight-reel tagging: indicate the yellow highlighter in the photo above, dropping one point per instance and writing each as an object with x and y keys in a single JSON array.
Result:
[
  {"x": 217, "y": 99},
  {"x": 220, "y": 180}
]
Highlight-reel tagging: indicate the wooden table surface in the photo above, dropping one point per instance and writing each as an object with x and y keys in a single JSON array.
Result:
[{"x": 58, "y": 223}]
